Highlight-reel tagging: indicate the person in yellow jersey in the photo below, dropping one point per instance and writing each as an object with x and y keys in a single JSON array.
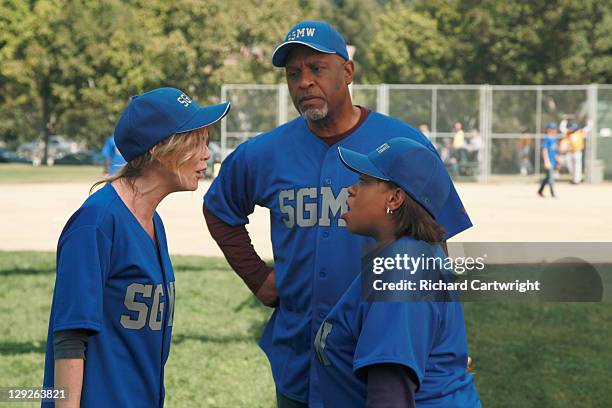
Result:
[{"x": 576, "y": 148}]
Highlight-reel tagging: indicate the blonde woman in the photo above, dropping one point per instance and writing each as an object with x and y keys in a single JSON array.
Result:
[{"x": 113, "y": 303}]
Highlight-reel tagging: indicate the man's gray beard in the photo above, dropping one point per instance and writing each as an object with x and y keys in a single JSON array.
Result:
[{"x": 313, "y": 114}]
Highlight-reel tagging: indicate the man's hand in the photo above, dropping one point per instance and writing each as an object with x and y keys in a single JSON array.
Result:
[{"x": 267, "y": 293}]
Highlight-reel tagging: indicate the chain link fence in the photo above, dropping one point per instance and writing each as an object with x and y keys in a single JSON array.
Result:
[{"x": 481, "y": 131}]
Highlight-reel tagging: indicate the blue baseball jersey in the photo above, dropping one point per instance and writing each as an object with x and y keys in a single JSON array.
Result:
[
  {"x": 117, "y": 283},
  {"x": 301, "y": 179},
  {"x": 110, "y": 151},
  {"x": 428, "y": 337},
  {"x": 552, "y": 147}
]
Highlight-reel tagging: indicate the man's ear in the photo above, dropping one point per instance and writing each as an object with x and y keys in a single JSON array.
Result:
[
  {"x": 349, "y": 70},
  {"x": 395, "y": 199}
]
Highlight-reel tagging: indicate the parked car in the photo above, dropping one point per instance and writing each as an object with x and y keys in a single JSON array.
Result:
[
  {"x": 10, "y": 156},
  {"x": 87, "y": 157},
  {"x": 59, "y": 146}
]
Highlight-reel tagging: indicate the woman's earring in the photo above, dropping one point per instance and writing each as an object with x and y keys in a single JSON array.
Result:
[{"x": 389, "y": 211}]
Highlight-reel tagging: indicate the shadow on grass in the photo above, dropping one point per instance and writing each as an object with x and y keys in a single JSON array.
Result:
[
  {"x": 251, "y": 335},
  {"x": 8, "y": 348},
  {"x": 199, "y": 268},
  {"x": 26, "y": 271}
]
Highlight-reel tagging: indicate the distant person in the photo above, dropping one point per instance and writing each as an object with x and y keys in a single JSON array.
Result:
[
  {"x": 424, "y": 129},
  {"x": 113, "y": 160},
  {"x": 524, "y": 153},
  {"x": 473, "y": 145},
  {"x": 564, "y": 158},
  {"x": 459, "y": 143},
  {"x": 448, "y": 156},
  {"x": 576, "y": 149},
  {"x": 458, "y": 136},
  {"x": 549, "y": 152}
]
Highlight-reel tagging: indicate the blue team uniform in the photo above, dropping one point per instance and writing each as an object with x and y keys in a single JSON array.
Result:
[
  {"x": 115, "y": 282},
  {"x": 301, "y": 179},
  {"x": 428, "y": 337},
  {"x": 113, "y": 154},
  {"x": 550, "y": 144}
]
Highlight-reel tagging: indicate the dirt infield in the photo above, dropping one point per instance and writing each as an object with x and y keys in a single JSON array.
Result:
[{"x": 32, "y": 216}]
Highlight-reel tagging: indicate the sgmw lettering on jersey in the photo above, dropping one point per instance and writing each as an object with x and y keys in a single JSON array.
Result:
[
  {"x": 301, "y": 32},
  {"x": 184, "y": 100},
  {"x": 300, "y": 206},
  {"x": 154, "y": 315}
]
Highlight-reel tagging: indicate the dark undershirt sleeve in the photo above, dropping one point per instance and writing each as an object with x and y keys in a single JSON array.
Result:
[
  {"x": 70, "y": 344},
  {"x": 235, "y": 241},
  {"x": 236, "y": 245},
  {"x": 390, "y": 386}
]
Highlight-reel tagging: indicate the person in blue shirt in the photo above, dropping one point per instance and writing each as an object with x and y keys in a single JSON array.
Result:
[
  {"x": 113, "y": 304},
  {"x": 550, "y": 149},
  {"x": 381, "y": 349},
  {"x": 113, "y": 160},
  {"x": 294, "y": 171}
]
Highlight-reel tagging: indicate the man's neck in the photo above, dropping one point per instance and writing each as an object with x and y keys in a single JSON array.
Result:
[{"x": 337, "y": 123}]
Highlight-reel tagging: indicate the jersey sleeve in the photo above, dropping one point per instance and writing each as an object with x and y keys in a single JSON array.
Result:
[
  {"x": 231, "y": 196},
  {"x": 399, "y": 333},
  {"x": 83, "y": 261},
  {"x": 107, "y": 149}
]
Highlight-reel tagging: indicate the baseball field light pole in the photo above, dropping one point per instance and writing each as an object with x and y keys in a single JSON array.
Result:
[
  {"x": 538, "y": 135},
  {"x": 283, "y": 102},
  {"x": 434, "y": 113},
  {"x": 382, "y": 100},
  {"x": 590, "y": 153}
]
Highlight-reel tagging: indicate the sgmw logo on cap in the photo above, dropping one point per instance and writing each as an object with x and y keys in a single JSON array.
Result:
[
  {"x": 380, "y": 149},
  {"x": 184, "y": 100},
  {"x": 301, "y": 32}
]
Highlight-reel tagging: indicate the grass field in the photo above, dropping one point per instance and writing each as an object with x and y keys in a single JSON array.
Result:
[
  {"x": 20, "y": 173},
  {"x": 526, "y": 354}
]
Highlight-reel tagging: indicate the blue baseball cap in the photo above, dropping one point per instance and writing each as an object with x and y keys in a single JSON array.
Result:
[
  {"x": 413, "y": 167},
  {"x": 317, "y": 35},
  {"x": 551, "y": 125},
  {"x": 573, "y": 127},
  {"x": 158, "y": 114}
]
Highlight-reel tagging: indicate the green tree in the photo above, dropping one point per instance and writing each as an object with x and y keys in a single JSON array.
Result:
[
  {"x": 407, "y": 47},
  {"x": 353, "y": 19},
  {"x": 75, "y": 64},
  {"x": 526, "y": 42}
]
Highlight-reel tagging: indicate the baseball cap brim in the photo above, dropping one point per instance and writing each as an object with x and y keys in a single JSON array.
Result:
[
  {"x": 360, "y": 163},
  {"x": 279, "y": 57},
  {"x": 205, "y": 116}
]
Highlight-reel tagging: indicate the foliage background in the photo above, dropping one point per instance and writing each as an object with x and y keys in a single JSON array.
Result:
[{"x": 69, "y": 67}]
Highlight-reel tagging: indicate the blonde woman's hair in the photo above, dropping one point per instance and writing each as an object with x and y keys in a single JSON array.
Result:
[{"x": 189, "y": 143}]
